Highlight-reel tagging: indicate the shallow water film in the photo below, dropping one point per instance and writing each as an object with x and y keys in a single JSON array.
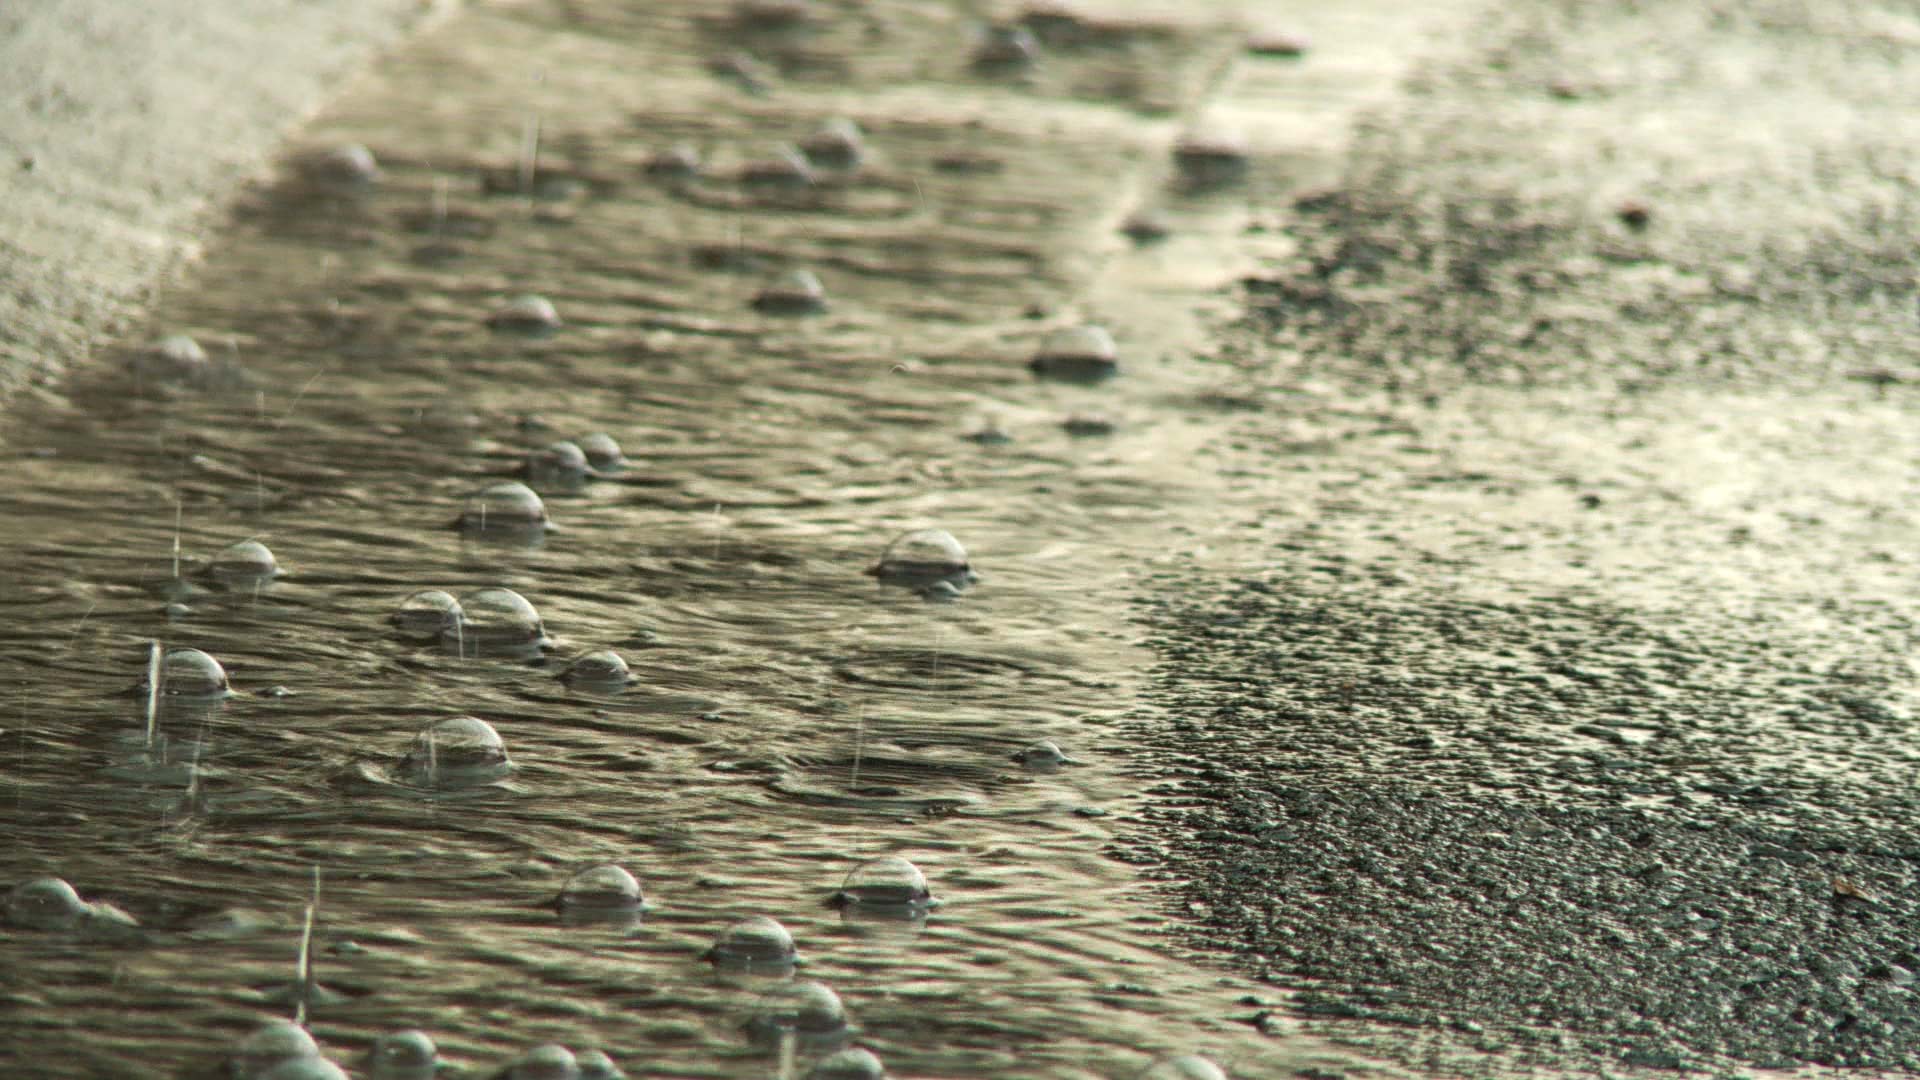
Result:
[{"x": 522, "y": 465}]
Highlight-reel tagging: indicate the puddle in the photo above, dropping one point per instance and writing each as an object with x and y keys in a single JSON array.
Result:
[{"x": 385, "y": 364}]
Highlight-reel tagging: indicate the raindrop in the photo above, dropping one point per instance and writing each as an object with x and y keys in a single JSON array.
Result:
[
  {"x": 809, "y": 1012},
  {"x": 603, "y": 453},
  {"x": 561, "y": 465},
  {"x": 922, "y": 558},
  {"x": 1184, "y": 1067},
  {"x": 273, "y": 1043},
  {"x": 427, "y": 614},
  {"x": 457, "y": 752},
  {"x": 887, "y": 883},
  {"x": 602, "y": 670},
  {"x": 404, "y": 1055},
  {"x": 1082, "y": 354},
  {"x": 606, "y": 887},
  {"x": 243, "y": 565},
  {"x": 549, "y": 1062},
  {"x": 526, "y": 314},
  {"x": 507, "y": 508},
  {"x": 797, "y": 292},
  {"x": 837, "y": 145},
  {"x": 1044, "y": 756},
  {"x": 47, "y": 903},
  {"x": 853, "y": 1063},
  {"x": 755, "y": 942},
  {"x": 497, "y": 622}
]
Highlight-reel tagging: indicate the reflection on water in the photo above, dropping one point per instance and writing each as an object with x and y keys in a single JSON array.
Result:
[{"x": 750, "y": 723}]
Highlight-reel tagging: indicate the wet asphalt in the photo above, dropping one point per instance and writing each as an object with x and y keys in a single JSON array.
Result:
[{"x": 1555, "y": 709}]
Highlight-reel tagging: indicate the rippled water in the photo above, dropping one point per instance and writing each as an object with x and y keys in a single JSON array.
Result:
[{"x": 789, "y": 717}]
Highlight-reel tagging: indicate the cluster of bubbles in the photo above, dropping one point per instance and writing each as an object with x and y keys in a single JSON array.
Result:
[
  {"x": 794, "y": 1015},
  {"x": 498, "y": 622}
]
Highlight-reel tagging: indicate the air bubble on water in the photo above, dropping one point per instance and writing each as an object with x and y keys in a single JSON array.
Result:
[
  {"x": 837, "y": 145},
  {"x": 456, "y": 751},
  {"x": 497, "y": 622},
  {"x": 243, "y": 564},
  {"x": 304, "y": 1069},
  {"x": 606, "y": 887},
  {"x": 809, "y": 1012},
  {"x": 796, "y": 292},
  {"x": 176, "y": 356},
  {"x": 526, "y": 314},
  {"x": 596, "y": 1065},
  {"x": 1083, "y": 354},
  {"x": 190, "y": 674},
  {"x": 889, "y": 883},
  {"x": 940, "y": 592},
  {"x": 427, "y": 614},
  {"x": 1184, "y": 1067},
  {"x": 510, "y": 507},
  {"x": 347, "y": 166},
  {"x": 919, "y": 559},
  {"x": 1001, "y": 48},
  {"x": 600, "y": 670},
  {"x": 755, "y": 942},
  {"x": 603, "y": 453},
  {"x": 403, "y": 1055},
  {"x": 550, "y": 1061},
  {"x": 47, "y": 903},
  {"x": 1210, "y": 159},
  {"x": 1044, "y": 756},
  {"x": 273, "y": 1043},
  {"x": 678, "y": 162},
  {"x": 561, "y": 465},
  {"x": 772, "y": 14},
  {"x": 853, "y": 1063},
  {"x": 784, "y": 167}
]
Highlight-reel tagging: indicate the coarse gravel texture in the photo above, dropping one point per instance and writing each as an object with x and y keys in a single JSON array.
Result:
[{"x": 1557, "y": 709}]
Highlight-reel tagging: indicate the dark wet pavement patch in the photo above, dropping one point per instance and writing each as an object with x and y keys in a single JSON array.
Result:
[
  {"x": 1477, "y": 847},
  {"x": 1557, "y": 710}
]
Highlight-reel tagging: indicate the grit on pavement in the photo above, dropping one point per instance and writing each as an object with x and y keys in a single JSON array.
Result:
[{"x": 1556, "y": 709}]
